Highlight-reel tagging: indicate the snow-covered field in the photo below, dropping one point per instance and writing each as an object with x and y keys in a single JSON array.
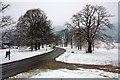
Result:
[
  {"x": 100, "y": 56},
  {"x": 81, "y": 73},
  {"x": 18, "y": 54}
]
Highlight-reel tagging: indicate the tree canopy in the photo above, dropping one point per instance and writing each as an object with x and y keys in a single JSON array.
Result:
[
  {"x": 90, "y": 23},
  {"x": 35, "y": 27}
]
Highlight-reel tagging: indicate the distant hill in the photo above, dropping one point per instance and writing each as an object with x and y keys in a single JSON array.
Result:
[
  {"x": 58, "y": 27},
  {"x": 113, "y": 32}
]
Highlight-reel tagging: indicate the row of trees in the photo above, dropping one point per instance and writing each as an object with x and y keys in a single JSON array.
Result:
[
  {"x": 88, "y": 26},
  {"x": 32, "y": 29}
]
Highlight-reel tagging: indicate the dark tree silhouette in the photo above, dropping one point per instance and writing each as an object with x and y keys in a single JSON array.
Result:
[
  {"x": 94, "y": 19},
  {"x": 36, "y": 28}
]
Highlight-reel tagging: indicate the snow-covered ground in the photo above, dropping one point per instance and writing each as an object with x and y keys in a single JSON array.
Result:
[
  {"x": 81, "y": 73},
  {"x": 18, "y": 54},
  {"x": 65, "y": 73},
  {"x": 100, "y": 56}
]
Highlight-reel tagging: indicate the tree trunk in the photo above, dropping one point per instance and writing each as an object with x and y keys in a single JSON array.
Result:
[
  {"x": 42, "y": 45},
  {"x": 93, "y": 46},
  {"x": 2, "y": 45},
  {"x": 38, "y": 45},
  {"x": 62, "y": 44},
  {"x": 80, "y": 46},
  {"x": 80, "y": 42},
  {"x": 35, "y": 46},
  {"x": 65, "y": 45},
  {"x": 71, "y": 42},
  {"x": 89, "y": 47},
  {"x": 31, "y": 44}
]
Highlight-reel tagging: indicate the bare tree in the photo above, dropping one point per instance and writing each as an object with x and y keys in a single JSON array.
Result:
[
  {"x": 5, "y": 21},
  {"x": 71, "y": 29},
  {"x": 79, "y": 39},
  {"x": 92, "y": 19},
  {"x": 3, "y": 6},
  {"x": 79, "y": 33}
]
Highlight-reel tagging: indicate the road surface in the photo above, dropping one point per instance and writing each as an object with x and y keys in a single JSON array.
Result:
[{"x": 13, "y": 68}]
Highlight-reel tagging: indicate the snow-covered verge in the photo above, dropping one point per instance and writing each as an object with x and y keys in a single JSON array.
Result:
[
  {"x": 18, "y": 54},
  {"x": 81, "y": 73},
  {"x": 100, "y": 56}
]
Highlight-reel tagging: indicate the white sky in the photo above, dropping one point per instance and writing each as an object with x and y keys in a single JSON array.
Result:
[{"x": 59, "y": 11}]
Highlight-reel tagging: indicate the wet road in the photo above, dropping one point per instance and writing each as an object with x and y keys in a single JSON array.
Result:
[{"x": 13, "y": 68}]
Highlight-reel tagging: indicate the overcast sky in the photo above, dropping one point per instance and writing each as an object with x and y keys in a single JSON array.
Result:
[{"x": 59, "y": 11}]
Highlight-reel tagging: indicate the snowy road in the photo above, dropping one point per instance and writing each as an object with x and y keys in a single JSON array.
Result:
[
  {"x": 12, "y": 68},
  {"x": 100, "y": 64}
]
